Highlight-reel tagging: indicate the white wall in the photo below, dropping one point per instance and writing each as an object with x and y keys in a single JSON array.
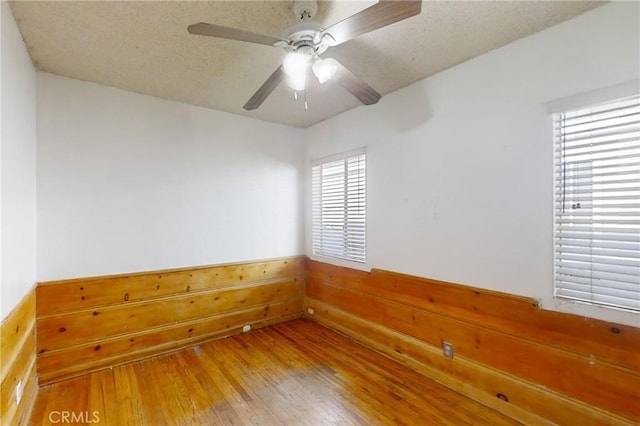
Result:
[
  {"x": 460, "y": 164},
  {"x": 459, "y": 167},
  {"x": 17, "y": 167},
  {"x": 132, "y": 183}
]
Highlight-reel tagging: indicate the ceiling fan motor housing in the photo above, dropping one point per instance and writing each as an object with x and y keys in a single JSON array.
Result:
[{"x": 305, "y": 38}]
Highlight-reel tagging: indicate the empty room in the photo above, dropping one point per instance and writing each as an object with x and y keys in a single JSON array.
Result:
[{"x": 320, "y": 212}]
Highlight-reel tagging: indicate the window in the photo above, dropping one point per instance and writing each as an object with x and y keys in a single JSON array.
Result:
[
  {"x": 597, "y": 204},
  {"x": 338, "y": 206}
]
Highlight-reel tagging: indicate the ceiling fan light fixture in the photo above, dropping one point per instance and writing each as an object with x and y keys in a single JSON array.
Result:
[
  {"x": 296, "y": 63},
  {"x": 324, "y": 69},
  {"x": 297, "y": 81},
  {"x": 296, "y": 66}
]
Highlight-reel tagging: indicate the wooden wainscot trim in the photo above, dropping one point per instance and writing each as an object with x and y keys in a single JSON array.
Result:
[
  {"x": 92, "y": 292},
  {"x": 592, "y": 361},
  {"x": 18, "y": 361},
  {"x": 74, "y": 328},
  {"x": 86, "y": 325},
  {"x": 519, "y": 399},
  {"x": 613, "y": 343},
  {"x": 78, "y": 360}
]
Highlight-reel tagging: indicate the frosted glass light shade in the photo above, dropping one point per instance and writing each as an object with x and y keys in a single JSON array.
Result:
[
  {"x": 295, "y": 66},
  {"x": 295, "y": 63},
  {"x": 297, "y": 81},
  {"x": 324, "y": 69}
]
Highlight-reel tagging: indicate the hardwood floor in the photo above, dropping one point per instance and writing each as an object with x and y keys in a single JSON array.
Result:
[{"x": 295, "y": 373}]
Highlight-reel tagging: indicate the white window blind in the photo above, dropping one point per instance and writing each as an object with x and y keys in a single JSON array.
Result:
[
  {"x": 339, "y": 205},
  {"x": 597, "y": 204}
]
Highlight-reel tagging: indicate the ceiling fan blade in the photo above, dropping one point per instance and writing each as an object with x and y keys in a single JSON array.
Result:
[
  {"x": 354, "y": 85},
  {"x": 265, "y": 90},
  {"x": 381, "y": 14},
  {"x": 212, "y": 30}
]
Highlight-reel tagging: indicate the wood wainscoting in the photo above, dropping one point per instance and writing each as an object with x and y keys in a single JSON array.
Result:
[
  {"x": 18, "y": 362},
  {"x": 89, "y": 324},
  {"x": 532, "y": 364}
]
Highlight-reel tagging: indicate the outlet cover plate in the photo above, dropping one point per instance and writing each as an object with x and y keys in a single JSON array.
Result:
[{"x": 447, "y": 349}]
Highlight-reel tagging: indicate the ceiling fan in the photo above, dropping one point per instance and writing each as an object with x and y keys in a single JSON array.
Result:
[{"x": 305, "y": 42}]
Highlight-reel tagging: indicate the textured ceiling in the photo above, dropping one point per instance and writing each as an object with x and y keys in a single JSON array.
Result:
[{"x": 144, "y": 47}]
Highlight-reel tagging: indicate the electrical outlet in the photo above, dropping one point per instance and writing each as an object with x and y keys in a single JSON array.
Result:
[
  {"x": 18, "y": 392},
  {"x": 246, "y": 328},
  {"x": 311, "y": 311},
  {"x": 447, "y": 349}
]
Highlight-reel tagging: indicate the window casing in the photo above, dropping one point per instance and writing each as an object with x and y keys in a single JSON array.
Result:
[
  {"x": 338, "y": 206},
  {"x": 597, "y": 204}
]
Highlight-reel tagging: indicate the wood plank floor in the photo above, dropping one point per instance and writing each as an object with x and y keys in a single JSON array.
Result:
[{"x": 296, "y": 373}]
